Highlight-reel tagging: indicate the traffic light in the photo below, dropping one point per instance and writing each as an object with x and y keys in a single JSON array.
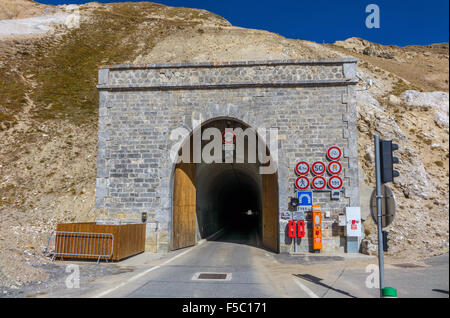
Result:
[
  {"x": 387, "y": 161},
  {"x": 294, "y": 203},
  {"x": 385, "y": 241}
]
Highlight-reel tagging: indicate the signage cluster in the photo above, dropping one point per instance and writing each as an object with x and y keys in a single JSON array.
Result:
[{"x": 317, "y": 169}]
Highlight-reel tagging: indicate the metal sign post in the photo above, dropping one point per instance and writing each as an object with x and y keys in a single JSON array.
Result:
[{"x": 379, "y": 212}]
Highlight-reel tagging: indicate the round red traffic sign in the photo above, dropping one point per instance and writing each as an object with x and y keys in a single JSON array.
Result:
[
  {"x": 318, "y": 183},
  {"x": 334, "y": 167},
  {"x": 318, "y": 168},
  {"x": 228, "y": 136},
  {"x": 334, "y": 153},
  {"x": 302, "y": 183},
  {"x": 302, "y": 168},
  {"x": 335, "y": 182}
]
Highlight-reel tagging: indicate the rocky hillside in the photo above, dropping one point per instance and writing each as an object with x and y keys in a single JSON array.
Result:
[{"x": 48, "y": 114}]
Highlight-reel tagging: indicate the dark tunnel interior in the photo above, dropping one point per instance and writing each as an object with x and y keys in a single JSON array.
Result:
[{"x": 229, "y": 198}]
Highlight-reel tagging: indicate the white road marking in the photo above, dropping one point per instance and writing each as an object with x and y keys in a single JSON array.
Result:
[
  {"x": 143, "y": 273},
  {"x": 305, "y": 289},
  {"x": 106, "y": 292}
]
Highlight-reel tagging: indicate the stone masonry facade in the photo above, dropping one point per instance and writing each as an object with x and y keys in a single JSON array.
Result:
[{"x": 311, "y": 103}]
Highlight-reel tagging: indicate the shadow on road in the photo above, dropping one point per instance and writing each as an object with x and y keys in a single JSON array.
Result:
[
  {"x": 317, "y": 281},
  {"x": 440, "y": 291}
]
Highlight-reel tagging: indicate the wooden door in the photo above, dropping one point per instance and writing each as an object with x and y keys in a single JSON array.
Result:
[
  {"x": 270, "y": 212},
  {"x": 184, "y": 205}
]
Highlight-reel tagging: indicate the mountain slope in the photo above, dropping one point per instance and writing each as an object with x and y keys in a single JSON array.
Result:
[{"x": 49, "y": 102}]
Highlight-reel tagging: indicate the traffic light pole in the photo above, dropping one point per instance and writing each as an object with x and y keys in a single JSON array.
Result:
[{"x": 379, "y": 216}]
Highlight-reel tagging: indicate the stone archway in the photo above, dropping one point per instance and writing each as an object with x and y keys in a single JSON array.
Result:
[{"x": 213, "y": 197}]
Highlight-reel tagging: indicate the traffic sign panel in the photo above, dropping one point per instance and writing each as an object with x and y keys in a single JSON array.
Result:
[
  {"x": 286, "y": 215},
  {"x": 334, "y": 153},
  {"x": 304, "y": 208},
  {"x": 302, "y": 168},
  {"x": 318, "y": 168},
  {"x": 305, "y": 198},
  {"x": 302, "y": 183},
  {"x": 334, "y": 167},
  {"x": 318, "y": 183},
  {"x": 335, "y": 182},
  {"x": 298, "y": 215}
]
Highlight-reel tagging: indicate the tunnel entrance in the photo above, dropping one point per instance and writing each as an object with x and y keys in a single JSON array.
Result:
[{"x": 230, "y": 201}]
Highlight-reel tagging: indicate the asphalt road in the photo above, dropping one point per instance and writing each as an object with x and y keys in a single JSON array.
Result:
[
  {"x": 252, "y": 272},
  {"x": 228, "y": 256},
  {"x": 429, "y": 279}
]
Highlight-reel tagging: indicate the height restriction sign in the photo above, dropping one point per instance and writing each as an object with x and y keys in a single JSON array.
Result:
[
  {"x": 318, "y": 183},
  {"x": 302, "y": 183},
  {"x": 302, "y": 168},
  {"x": 318, "y": 168},
  {"x": 334, "y": 153}
]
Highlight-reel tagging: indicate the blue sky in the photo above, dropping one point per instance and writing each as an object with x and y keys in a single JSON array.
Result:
[{"x": 325, "y": 21}]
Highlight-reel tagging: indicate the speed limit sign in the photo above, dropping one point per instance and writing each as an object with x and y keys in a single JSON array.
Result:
[
  {"x": 318, "y": 168},
  {"x": 335, "y": 182}
]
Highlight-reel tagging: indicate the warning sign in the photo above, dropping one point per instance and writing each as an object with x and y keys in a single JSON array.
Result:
[
  {"x": 319, "y": 183},
  {"x": 302, "y": 168},
  {"x": 335, "y": 183},
  {"x": 334, "y": 167},
  {"x": 334, "y": 153},
  {"x": 302, "y": 183},
  {"x": 318, "y": 168}
]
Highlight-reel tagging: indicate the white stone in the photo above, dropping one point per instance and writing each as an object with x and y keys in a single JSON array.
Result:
[
  {"x": 438, "y": 100},
  {"x": 394, "y": 99}
]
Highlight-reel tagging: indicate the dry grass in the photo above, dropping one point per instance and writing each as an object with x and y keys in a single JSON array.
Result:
[
  {"x": 19, "y": 9},
  {"x": 67, "y": 70},
  {"x": 12, "y": 96}
]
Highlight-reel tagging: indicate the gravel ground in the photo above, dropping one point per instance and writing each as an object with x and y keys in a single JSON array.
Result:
[{"x": 88, "y": 272}]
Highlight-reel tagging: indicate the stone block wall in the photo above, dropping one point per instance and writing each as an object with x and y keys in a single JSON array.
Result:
[{"x": 311, "y": 103}]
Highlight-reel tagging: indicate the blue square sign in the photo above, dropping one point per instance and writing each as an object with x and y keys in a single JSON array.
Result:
[{"x": 305, "y": 198}]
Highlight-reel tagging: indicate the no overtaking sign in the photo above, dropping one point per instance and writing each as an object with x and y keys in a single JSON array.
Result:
[{"x": 334, "y": 153}]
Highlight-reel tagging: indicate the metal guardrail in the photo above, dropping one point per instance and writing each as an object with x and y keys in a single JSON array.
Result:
[{"x": 80, "y": 245}]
